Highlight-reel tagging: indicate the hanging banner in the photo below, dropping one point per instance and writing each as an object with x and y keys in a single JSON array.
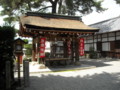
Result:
[
  {"x": 69, "y": 47},
  {"x": 42, "y": 47},
  {"x": 81, "y": 46}
]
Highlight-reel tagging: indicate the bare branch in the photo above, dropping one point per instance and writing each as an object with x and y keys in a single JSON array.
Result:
[{"x": 44, "y": 8}]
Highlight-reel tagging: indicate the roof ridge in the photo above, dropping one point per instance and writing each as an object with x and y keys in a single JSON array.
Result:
[
  {"x": 105, "y": 20},
  {"x": 49, "y": 15}
]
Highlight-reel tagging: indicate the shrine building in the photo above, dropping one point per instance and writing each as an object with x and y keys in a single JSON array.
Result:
[{"x": 65, "y": 34}]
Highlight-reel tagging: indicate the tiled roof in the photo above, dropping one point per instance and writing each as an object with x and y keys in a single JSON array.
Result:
[{"x": 108, "y": 25}]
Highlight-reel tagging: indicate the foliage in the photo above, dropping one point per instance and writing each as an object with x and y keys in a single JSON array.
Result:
[
  {"x": 82, "y": 6},
  {"x": 93, "y": 53},
  {"x": 14, "y": 8},
  {"x": 47, "y": 54},
  {"x": 117, "y": 1},
  {"x": 7, "y": 34},
  {"x": 28, "y": 48},
  {"x": 26, "y": 41}
]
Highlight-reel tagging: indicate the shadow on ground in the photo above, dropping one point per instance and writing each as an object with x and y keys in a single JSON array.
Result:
[
  {"x": 104, "y": 81},
  {"x": 97, "y": 62}
]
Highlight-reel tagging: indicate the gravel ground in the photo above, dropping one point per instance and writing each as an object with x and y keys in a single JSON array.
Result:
[{"x": 104, "y": 77}]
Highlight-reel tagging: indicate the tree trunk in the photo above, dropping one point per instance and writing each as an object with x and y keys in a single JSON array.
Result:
[
  {"x": 60, "y": 7},
  {"x": 54, "y": 6}
]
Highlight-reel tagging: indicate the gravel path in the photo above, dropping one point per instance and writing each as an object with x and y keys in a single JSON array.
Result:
[{"x": 106, "y": 77}]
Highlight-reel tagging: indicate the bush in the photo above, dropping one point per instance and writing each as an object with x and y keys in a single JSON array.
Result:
[
  {"x": 47, "y": 54},
  {"x": 93, "y": 53},
  {"x": 7, "y": 34},
  {"x": 28, "y": 51}
]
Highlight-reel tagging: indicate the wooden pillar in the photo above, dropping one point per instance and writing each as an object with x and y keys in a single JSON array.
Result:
[
  {"x": 101, "y": 45},
  {"x": 37, "y": 48},
  {"x": 65, "y": 49},
  {"x": 93, "y": 41},
  {"x": 73, "y": 50},
  {"x": 97, "y": 46},
  {"x": 33, "y": 49},
  {"x": 116, "y": 54},
  {"x": 108, "y": 53},
  {"x": 76, "y": 49}
]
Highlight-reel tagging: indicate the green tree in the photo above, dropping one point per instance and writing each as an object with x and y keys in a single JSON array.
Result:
[
  {"x": 14, "y": 8},
  {"x": 7, "y": 34},
  {"x": 28, "y": 51},
  {"x": 93, "y": 53},
  {"x": 117, "y": 1}
]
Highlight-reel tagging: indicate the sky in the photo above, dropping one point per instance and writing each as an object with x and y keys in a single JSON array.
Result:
[{"x": 94, "y": 17}]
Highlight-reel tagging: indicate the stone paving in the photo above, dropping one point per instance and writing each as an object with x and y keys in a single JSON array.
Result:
[{"x": 105, "y": 77}]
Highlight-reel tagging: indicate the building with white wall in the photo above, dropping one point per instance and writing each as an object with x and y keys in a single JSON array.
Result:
[{"x": 106, "y": 42}]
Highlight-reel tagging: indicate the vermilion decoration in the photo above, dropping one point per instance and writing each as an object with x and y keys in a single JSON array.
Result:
[
  {"x": 81, "y": 46},
  {"x": 42, "y": 47}
]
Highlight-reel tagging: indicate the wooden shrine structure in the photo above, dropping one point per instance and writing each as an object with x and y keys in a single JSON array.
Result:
[
  {"x": 106, "y": 42},
  {"x": 54, "y": 28}
]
